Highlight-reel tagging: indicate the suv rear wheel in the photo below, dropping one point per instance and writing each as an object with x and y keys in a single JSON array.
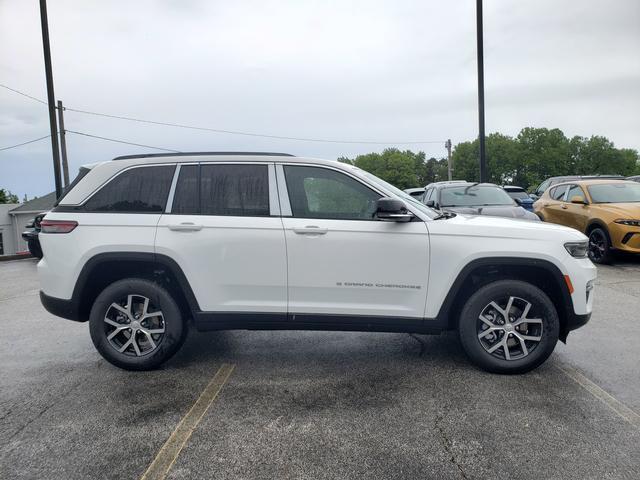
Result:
[
  {"x": 509, "y": 326},
  {"x": 136, "y": 324}
]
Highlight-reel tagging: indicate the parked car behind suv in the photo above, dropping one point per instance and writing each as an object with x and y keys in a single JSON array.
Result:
[
  {"x": 31, "y": 236},
  {"x": 520, "y": 196},
  {"x": 549, "y": 182},
  {"x": 474, "y": 199},
  {"x": 146, "y": 246},
  {"x": 608, "y": 211}
]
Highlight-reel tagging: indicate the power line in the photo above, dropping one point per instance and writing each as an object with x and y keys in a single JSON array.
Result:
[
  {"x": 24, "y": 143},
  {"x": 250, "y": 134},
  {"x": 229, "y": 132},
  {"x": 121, "y": 141},
  {"x": 23, "y": 94}
]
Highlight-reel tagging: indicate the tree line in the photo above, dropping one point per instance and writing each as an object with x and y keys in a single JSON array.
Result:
[{"x": 525, "y": 160}]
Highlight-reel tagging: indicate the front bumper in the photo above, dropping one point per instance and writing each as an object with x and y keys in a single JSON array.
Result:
[
  {"x": 625, "y": 238},
  {"x": 573, "y": 322},
  {"x": 61, "y": 307}
]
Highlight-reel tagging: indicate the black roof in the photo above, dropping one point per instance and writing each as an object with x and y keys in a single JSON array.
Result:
[{"x": 193, "y": 154}]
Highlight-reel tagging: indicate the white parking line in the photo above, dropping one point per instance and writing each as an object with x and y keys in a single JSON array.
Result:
[{"x": 609, "y": 400}]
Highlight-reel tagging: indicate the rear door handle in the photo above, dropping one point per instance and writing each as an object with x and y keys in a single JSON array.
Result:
[
  {"x": 310, "y": 230},
  {"x": 185, "y": 227}
]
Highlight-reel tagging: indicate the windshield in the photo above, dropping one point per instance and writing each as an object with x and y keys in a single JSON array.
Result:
[
  {"x": 473, "y": 196},
  {"x": 415, "y": 203},
  {"x": 615, "y": 192},
  {"x": 521, "y": 194}
]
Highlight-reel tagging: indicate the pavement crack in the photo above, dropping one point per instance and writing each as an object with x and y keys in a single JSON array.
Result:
[{"x": 447, "y": 443}]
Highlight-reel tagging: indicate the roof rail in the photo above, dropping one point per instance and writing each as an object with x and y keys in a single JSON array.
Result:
[{"x": 194, "y": 154}]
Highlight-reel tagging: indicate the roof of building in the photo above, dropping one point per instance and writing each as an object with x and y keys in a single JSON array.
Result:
[{"x": 37, "y": 205}]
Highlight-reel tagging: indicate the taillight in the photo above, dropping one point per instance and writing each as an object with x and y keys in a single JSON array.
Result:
[{"x": 57, "y": 226}]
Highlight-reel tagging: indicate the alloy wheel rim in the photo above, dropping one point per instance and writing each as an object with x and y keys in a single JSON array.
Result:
[
  {"x": 505, "y": 330},
  {"x": 597, "y": 245},
  {"x": 133, "y": 326}
]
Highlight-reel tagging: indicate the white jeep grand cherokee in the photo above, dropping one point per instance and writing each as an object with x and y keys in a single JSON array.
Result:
[{"x": 145, "y": 246}]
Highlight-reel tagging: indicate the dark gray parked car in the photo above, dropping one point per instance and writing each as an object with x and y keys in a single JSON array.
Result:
[{"x": 474, "y": 199}]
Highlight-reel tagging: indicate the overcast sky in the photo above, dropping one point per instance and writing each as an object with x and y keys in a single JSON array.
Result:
[{"x": 388, "y": 71}]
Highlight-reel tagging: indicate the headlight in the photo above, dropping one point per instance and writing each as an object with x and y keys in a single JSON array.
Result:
[
  {"x": 577, "y": 249},
  {"x": 624, "y": 221}
]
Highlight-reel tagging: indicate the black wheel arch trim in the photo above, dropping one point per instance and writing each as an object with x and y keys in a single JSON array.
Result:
[
  {"x": 71, "y": 309},
  {"x": 569, "y": 319}
]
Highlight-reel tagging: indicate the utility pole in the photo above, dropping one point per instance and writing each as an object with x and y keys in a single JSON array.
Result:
[
  {"x": 63, "y": 144},
  {"x": 51, "y": 99},
  {"x": 447, "y": 145},
  {"x": 483, "y": 157}
]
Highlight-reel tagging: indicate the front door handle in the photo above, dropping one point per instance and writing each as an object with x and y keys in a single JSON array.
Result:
[
  {"x": 185, "y": 227},
  {"x": 310, "y": 230},
  {"x": 563, "y": 206}
]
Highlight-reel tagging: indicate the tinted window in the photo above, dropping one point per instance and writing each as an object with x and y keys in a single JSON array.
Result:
[
  {"x": 142, "y": 189},
  {"x": 323, "y": 193},
  {"x": 557, "y": 193},
  {"x": 238, "y": 190},
  {"x": 186, "y": 199}
]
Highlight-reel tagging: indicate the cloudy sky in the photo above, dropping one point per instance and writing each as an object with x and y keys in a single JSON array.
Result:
[{"x": 383, "y": 71}]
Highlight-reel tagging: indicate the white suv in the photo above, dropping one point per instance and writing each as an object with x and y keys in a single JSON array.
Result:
[{"x": 145, "y": 246}]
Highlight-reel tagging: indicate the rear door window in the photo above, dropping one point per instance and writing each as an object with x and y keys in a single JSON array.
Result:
[
  {"x": 137, "y": 190},
  {"x": 221, "y": 189}
]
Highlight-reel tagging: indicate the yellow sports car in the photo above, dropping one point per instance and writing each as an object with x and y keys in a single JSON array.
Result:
[{"x": 607, "y": 211}]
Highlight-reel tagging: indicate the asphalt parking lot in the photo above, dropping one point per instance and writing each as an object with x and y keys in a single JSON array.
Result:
[{"x": 314, "y": 405}]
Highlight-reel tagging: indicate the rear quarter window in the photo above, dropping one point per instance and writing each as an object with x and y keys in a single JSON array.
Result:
[{"x": 137, "y": 190}]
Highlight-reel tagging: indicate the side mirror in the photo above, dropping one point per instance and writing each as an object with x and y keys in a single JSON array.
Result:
[
  {"x": 431, "y": 204},
  {"x": 578, "y": 199},
  {"x": 392, "y": 210}
]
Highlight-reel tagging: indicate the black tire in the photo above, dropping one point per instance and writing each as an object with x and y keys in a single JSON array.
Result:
[
  {"x": 547, "y": 327},
  {"x": 599, "y": 246},
  {"x": 164, "y": 345}
]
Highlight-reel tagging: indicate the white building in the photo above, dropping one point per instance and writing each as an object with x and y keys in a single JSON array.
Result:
[
  {"x": 7, "y": 233},
  {"x": 14, "y": 219}
]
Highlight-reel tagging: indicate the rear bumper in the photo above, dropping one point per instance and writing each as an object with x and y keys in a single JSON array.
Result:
[
  {"x": 60, "y": 307},
  {"x": 29, "y": 235}
]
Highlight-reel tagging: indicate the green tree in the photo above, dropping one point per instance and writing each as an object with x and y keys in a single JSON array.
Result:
[
  {"x": 404, "y": 169},
  {"x": 503, "y": 160},
  {"x": 543, "y": 153},
  {"x": 7, "y": 197}
]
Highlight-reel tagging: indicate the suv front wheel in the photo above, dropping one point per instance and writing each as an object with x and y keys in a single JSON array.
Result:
[
  {"x": 136, "y": 324},
  {"x": 509, "y": 326}
]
